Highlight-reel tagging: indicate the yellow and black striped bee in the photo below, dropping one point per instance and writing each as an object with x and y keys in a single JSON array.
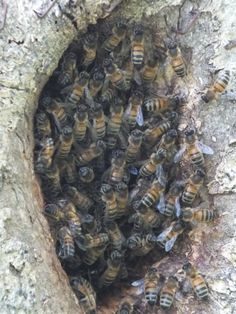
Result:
[
  {"x": 67, "y": 247},
  {"x": 69, "y": 170},
  {"x": 133, "y": 149},
  {"x": 128, "y": 69},
  {"x": 99, "y": 121},
  {"x": 80, "y": 123},
  {"x": 133, "y": 113},
  {"x": 122, "y": 197},
  {"x": 168, "y": 140},
  {"x": 177, "y": 60},
  {"x": 117, "y": 167},
  {"x": 85, "y": 293},
  {"x": 125, "y": 308},
  {"x": 155, "y": 160},
  {"x": 54, "y": 212},
  {"x": 118, "y": 34},
  {"x": 150, "y": 218},
  {"x": 112, "y": 270},
  {"x": 167, "y": 238},
  {"x": 53, "y": 184},
  {"x": 96, "y": 83},
  {"x": 194, "y": 149},
  {"x": 192, "y": 187},
  {"x": 68, "y": 70},
  {"x": 66, "y": 141},
  {"x": 80, "y": 200},
  {"x": 114, "y": 74},
  {"x": 137, "y": 46},
  {"x": 90, "y": 256},
  {"x": 90, "y": 48},
  {"x": 86, "y": 174},
  {"x": 149, "y": 71},
  {"x": 89, "y": 241},
  {"x": 154, "y": 105},
  {"x": 43, "y": 126},
  {"x": 85, "y": 155},
  {"x": 116, "y": 237},
  {"x": 197, "y": 281},
  {"x": 154, "y": 193},
  {"x": 44, "y": 159},
  {"x": 217, "y": 87},
  {"x": 168, "y": 291},
  {"x": 74, "y": 222},
  {"x": 89, "y": 224},
  {"x": 109, "y": 198},
  {"x": 198, "y": 215},
  {"x": 114, "y": 122},
  {"x": 171, "y": 206},
  {"x": 57, "y": 110},
  {"x": 108, "y": 93},
  {"x": 139, "y": 244}
]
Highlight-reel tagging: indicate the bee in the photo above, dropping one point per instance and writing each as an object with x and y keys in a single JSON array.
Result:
[
  {"x": 109, "y": 198},
  {"x": 90, "y": 48},
  {"x": 114, "y": 74},
  {"x": 112, "y": 270},
  {"x": 197, "y": 281},
  {"x": 118, "y": 34},
  {"x": 99, "y": 121},
  {"x": 70, "y": 172},
  {"x": 140, "y": 245},
  {"x": 108, "y": 93},
  {"x": 149, "y": 217},
  {"x": 171, "y": 204},
  {"x": 116, "y": 237},
  {"x": 198, "y": 215},
  {"x": 217, "y": 87},
  {"x": 153, "y": 193},
  {"x": 149, "y": 71},
  {"x": 86, "y": 294},
  {"x": 86, "y": 174},
  {"x": 194, "y": 149},
  {"x": 67, "y": 247},
  {"x": 43, "y": 126},
  {"x": 177, "y": 61},
  {"x": 89, "y": 241},
  {"x": 125, "y": 308},
  {"x": 78, "y": 89},
  {"x": 167, "y": 238},
  {"x": 57, "y": 110},
  {"x": 135, "y": 141},
  {"x": 137, "y": 49},
  {"x": 133, "y": 112},
  {"x": 168, "y": 292},
  {"x": 46, "y": 153},
  {"x": 68, "y": 70},
  {"x": 117, "y": 167},
  {"x": 122, "y": 196},
  {"x": 80, "y": 200},
  {"x": 73, "y": 220},
  {"x": 53, "y": 186},
  {"x": 155, "y": 160},
  {"x": 96, "y": 83},
  {"x": 54, "y": 212},
  {"x": 168, "y": 140},
  {"x": 158, "y": 105},
  {"x": 90, "y": 256},
  {"x": 192, "y": 187},
  {"x": 114, "y": 123},
  {"x": 128, "y": 72},
  {"x": 80, "y": 123},
  {"x": 66, "y": 141},
  {"x": 84, "y": 156}
]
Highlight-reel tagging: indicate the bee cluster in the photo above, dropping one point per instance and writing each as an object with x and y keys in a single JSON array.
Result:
[{"x": 109, "y": 153}]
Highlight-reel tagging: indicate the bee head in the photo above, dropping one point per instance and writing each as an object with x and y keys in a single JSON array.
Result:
[
  {"x": 186, "y": 214},
  {"x": 161, "y": 154},
  {"x": 90, "y": 40},
  {"x": 84, "y": 171},
  {"x": 106, "y": 189},
  {"x": 67, "y": 132},
  {"x": 108, "y": 64},
  {"x": 189, "y": 132},
  {"x": 187, "y": 266},
  {"x": 172, "y": 47},
  {"x": 120, "y": 27},
  {"x": 172, "y": 133},
  {"x": 136, "y": 136},
  {"x": 88, "y": 219},
  {"x": 98, "y": 76},
  {"x": 200, "y": 173},
  {"x": 138, "y": 30}
]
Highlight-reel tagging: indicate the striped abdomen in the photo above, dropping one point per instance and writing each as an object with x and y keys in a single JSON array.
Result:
[
  {"x": 190, "y": 193},
  {"x": 166, "y": 299},
  {"x": 149, "y": 74},
  {"x": 137, "y": 54},
  {"x": 200, "y": 287},
  {"x": 221, "y": 83},
  {"x": 178, "y": 66},
  {"x": 118, "y": 80}
]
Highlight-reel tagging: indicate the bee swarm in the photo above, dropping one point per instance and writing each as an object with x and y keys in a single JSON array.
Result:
[{"x": 117, "y": 156}]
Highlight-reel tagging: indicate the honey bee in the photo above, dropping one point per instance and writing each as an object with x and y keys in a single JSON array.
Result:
[
  {"x": 90, "y": 48},
  {"x": 168, "y": 292},
  {"x": 149, "y": 285},
  {"x": 167, "y": 238},
  {"x": 66, "y": 141},
  {"x": 137, "y": 49},
  {"x": 125, "y": 308},
  {"x": 118, "y": 34},
  {"x": 70, "y": 172},
  {"x": 149, "y": 71},
  {"x": 112, "y": 270},
  {"x": 116, "y": 237},
  {"x": 217, "y": 87},
  {"x": 158, "y": 105},
  {"x": 114, "y": 74},
  {"x": 54, "y": 212},
  {"x": 78, "y": 89},
  {"x": 96, "y": 83},
  {"x": 109, "y": 198},
  {"x": 74, "y": 223},
  {"x": 89, "y": 241},
  {"x": 135, "y": 141},
  {"x": 99, "y": 121},
  {"x": 198, "y": 215},
  {"x": 194, "y": 149},
  {"x": 133, "y": 112},
  {"x": 57, "y": 110},
  {"x": 89, "y": 224},
  {"x": 114, "y": 123},
  {"x": 80, "y": 124},
  {"x": 68, "y": 70},
  {"x": 43, "y": 126},
  {"x": 168, "y": 140},
  {"x": 192, "y": 187},
  {"x": 140, "y": 245},
  {"x": 90, "y": 256},
  {"x": 117, "y": 167},
  {"x": 53, "y": 186},
  {"x": 84, "y": 156},
  {"x": 155, "y": 160},
  {"x": 108, "y": 93},
  {"x": 122, "y": 196},
  {"x": 86, "y": 174},
  {"x": 171, "y": 204},
  {"x": 177, "y": 61},
  {"x": 197, "y": 281},
  {"x": 67, "y": 247},
  {"x": 86, "y": 294},
  {"x": 46, "y": 153},
  {"x": 128, "y": 72},
  {"x": 80, "y": 200},
  {"x": 149, "y": 217},
  {"x": 153, "y": 193}
]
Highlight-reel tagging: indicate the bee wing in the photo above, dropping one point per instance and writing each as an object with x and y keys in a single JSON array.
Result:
[
  {"x": 177, "y": 207},
  {"x": 179, "y": 154},
  {"x": 127, "y": 111},
  {"x": 139, "y": 284},
  {"x": 137, "y": 77},
  {"x": 160, "y": 171},
  {"x": 161, "y": 204},
  {"x": 163, "y": 235},
  {"x": 205, "y": 149},
  {"x": 133, "y": 170},
  {"x": 139, "y": 118},
  {"x": 88, "y": 96},
  {"x": 169, "y": 244}
]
